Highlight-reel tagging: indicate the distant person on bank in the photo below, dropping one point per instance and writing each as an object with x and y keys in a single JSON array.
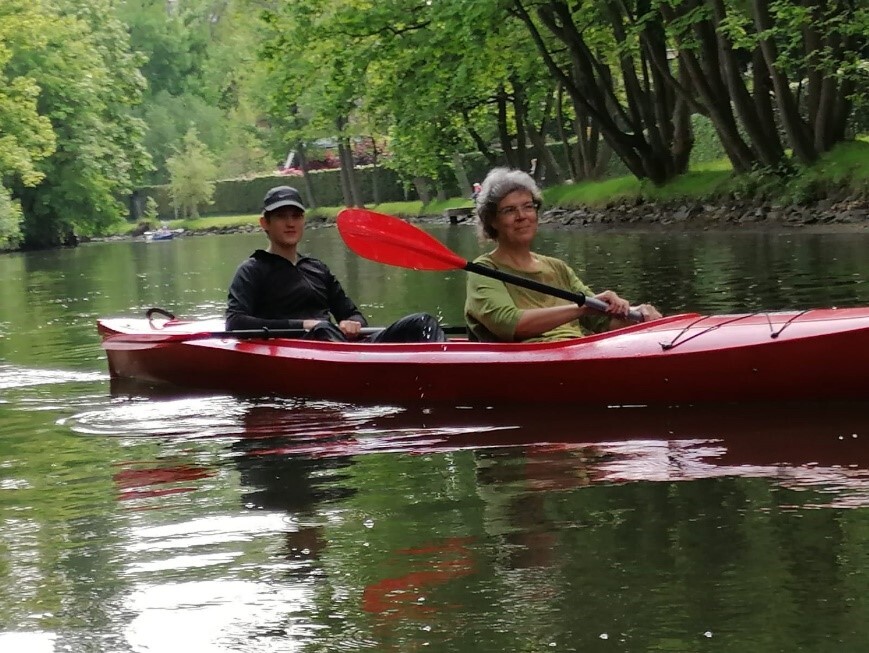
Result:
[
  {"x": 507, "y": 207},
  {"x": 279, "y": 288}
]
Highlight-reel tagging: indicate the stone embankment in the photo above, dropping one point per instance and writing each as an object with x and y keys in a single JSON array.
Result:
[{"x": 851, "y": 211}]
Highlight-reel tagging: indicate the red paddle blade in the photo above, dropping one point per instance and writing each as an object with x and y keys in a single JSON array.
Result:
[{"x": 393, "y": 241}]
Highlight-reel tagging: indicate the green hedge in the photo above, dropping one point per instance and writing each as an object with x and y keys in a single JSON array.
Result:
[{"x": 245, "y": 196}]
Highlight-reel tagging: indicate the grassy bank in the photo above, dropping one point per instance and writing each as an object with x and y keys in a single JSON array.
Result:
[{"x": 842, "y": 171}]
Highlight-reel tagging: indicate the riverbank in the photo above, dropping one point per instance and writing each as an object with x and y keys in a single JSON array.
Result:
[{"x": 848, "y": 214}]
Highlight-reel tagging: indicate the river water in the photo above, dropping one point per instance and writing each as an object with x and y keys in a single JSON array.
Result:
[{"x": 139, "y": 520}]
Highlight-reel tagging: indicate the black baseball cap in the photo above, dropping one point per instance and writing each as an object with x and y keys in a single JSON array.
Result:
[{"x": 282, "y": 196}]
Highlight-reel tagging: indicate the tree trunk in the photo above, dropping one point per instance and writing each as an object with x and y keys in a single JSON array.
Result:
[
  {"x": 713, "y": 92},
  {"x": 375, "y": 172},
  {"x": 627, "y": 130},
  {"x": 345, "y": 181},
  {"x": 520, "y": 110},
  {"x": 503, "y": 132},
  {"x": 603, "y": 154},
  {"x": 346, "y": 156},
  {"x": 422, "y": 189},
  {"x": 793, "y": 124},
  {"x": 544, "y": 155},
  {"x": 483, "y": 148},
  {"x": 570, "y": 153},
  {"x": 761, "y": 129},
  {"x": 841, "y": 111},
  {"x": 683, "y": 137},
  {"x": 306, "y": 180},
  {"x": 585, "y": 156},
  {"x": 461, "y": 175}
]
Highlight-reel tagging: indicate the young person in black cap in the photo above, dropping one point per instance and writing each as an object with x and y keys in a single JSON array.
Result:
[{"x": 279, "y": 288}]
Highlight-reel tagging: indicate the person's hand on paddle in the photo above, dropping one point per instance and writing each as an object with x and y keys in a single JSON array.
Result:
[
  {"x": 648, "y": 312},
  {"x": 616, "y": 306},
  {"x": 619, "y": 309},
  {"x": 350, "y": 328}
]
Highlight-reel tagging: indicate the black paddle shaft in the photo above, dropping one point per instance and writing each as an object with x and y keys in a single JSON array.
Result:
[
  {"x": 577, "y": 298},
  {"x": 265, "y": 333}
]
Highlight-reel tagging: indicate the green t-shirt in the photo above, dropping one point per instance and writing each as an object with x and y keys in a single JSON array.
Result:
[{"x": 493, "y": 308}]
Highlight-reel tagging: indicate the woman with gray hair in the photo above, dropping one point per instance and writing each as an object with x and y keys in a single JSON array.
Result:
[{"x": 507, "y": 207}]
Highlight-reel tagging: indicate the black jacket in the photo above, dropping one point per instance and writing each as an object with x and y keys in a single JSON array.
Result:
[{"x": 269, "y": 291}]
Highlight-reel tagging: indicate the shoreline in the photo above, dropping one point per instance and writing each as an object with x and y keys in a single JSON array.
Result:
[{"x": 850, "y": 215}]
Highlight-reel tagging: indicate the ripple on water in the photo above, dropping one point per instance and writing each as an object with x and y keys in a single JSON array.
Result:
[
  {"x": 220, "y": 615},
  {"x": 220, "y": 416},
  {"x": 322, "y": 429},
  {"x": 32, "y": 642},
  {"x": 13, "y": 376},
  {"x": 189, "y": 417}
]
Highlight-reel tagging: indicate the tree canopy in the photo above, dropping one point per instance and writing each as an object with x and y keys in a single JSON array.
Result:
[{"x": 98, "y": 97}]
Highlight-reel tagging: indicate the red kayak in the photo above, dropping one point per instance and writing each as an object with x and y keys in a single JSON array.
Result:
[{"x": 683, "y": 359}]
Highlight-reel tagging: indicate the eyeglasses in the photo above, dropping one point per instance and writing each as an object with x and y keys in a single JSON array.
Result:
[{"x": 528, "y": 208}]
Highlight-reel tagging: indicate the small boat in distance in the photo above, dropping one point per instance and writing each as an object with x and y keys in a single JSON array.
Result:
[{"x": 163, "y": 233}]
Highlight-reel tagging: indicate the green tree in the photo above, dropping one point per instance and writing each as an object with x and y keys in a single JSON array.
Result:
[
  {"x": 317, "y": 80},
  {"x": 172, "y": 41},
  {"x": 10, "y": 221},
  {"x": 168, "y": 118},
  {"x": 192, "y": 172},
  {"x": 201, "y": 67},
  {"x": 771, "y": 74},
  {"x": 26, "y": 137},
  {"x": 87, "y": 79}
]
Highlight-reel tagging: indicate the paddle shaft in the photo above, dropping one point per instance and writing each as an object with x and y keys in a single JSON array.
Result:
[
  {"x": 265, "y": 333},
  {"x": 158, "y": 337},
  {"x": 295, "y": 333},
  {"x": 577, "y": 298}
]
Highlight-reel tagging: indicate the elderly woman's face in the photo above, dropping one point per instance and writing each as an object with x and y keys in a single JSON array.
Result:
[{"x": 516, "y": 219}]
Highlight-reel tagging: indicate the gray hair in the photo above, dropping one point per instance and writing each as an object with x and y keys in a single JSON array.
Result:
[{"x": 499, "y": 183}]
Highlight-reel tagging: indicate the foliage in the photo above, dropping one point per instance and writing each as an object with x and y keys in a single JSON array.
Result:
[
  {"x": 26, "y": 137},
  {"x": 98, "y": 96},
  {"x": 707, "y": 145},
  {"x": 199, "y": 57},
  {"x": 150, "y": 212},
  {"x": 10, "y": 221},
  {"x": 842, "y": 171},
  {"x": 76, "y": 54},
  {"x": 169, "y": 118},
  {"x": 192, "y": 171}
]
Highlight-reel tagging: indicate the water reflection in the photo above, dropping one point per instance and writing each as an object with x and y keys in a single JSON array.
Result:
[
  {"x": 287, "y": 440},
  {"x": 301, "y": 485},
  {"x": 273, "y": 524},
  {"x": 137, "y": 480}
]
